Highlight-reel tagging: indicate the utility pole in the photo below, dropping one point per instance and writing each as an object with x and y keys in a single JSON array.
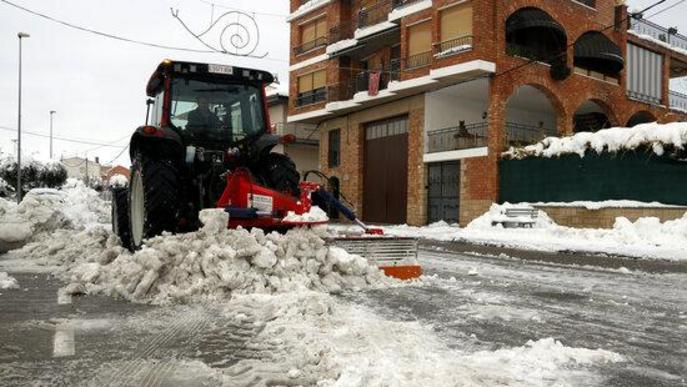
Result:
[
  {"x": 52, "y": 112},
  {"x": 20, "y": 35}
]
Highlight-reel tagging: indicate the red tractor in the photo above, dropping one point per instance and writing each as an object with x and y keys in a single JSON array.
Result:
[{"x": 207, "y": 143}]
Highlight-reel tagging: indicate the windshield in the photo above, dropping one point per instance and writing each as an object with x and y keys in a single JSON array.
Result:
[{"x": 207, "y": 111}]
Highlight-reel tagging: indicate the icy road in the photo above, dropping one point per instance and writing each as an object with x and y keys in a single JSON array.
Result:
[{"x": 474, "y": 320}]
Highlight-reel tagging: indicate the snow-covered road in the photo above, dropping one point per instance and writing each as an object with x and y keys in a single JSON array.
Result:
[{"x": 473, "y": 320}]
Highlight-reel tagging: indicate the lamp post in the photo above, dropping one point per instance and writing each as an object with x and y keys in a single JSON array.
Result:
[
  {"x": 52, "y": 112},
  {"x": 20, "y": 35}
]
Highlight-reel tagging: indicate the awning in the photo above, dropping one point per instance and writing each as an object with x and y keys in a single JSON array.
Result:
[
  {"x": 595, "y": 51},
  {"x": 533, "y": 18}
]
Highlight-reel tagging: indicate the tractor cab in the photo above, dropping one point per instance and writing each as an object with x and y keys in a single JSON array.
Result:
[{"x": 208, "y": 105}]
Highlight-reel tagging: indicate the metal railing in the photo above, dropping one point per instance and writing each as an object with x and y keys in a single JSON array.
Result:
[
  {"x": 305, "y": 134},
  {"x": 418, "y": 60},
  {"x": 529, "y": 52},
  {"x": 340, "y": 91},
  {"x": 311, "y": 45},
  {"x": 395, "y": 69},
  {"x": 453, "y": 46},
  {"x": 522, "y": 134},
  {"x": 311, "y": 97},
  {"x": 677, "y": 100},
  {"x": 340, "y": 32},
  {"x": 644, "y": 97},
  {"x": 667, "y": 35},
  {"x": 374, "y": 14},
  {"x": 473, "y": 135}
]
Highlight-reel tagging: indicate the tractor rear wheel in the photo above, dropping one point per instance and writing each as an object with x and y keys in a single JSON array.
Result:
[
  {"x": 280, "y": 173},
  {"x": 120, "y": 215},
  {"x": 153, "y": 199}
]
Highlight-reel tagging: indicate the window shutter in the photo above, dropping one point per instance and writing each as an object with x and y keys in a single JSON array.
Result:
[
  {"x": 419, "y": 39},
  {"x": 305, "y": 83},
  {"x": 319, "y": 79},
  {"x": 321, "y": 28},
  {"x": 308, "y": 33},
  {"x": 456, "y": 22}
]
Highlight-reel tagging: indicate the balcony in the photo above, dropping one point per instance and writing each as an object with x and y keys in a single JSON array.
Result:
[
  {"x": 677, "y": 100},
  {"x": 362, "y": 81},
  {"x": 661, "y": 35},
  {"x": 312, "y": 97},
  {"x": 453, "y": 46},
  {"x": 374, "y": 14},
  {"x": 457, "y": 138},
  {"x": 311, "y": 45},
  {"x": 418, "y": 60},
  {"x": 305, "y": 133},
  {"x": 402, "y": 3}
]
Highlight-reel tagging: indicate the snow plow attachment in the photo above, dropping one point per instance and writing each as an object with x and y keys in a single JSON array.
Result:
[{"x": 397, "y": 257}]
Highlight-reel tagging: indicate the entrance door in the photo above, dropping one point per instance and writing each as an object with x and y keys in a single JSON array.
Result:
[
  {"x": 443, "y": 197},
  {"x": 385, "y": 182}
]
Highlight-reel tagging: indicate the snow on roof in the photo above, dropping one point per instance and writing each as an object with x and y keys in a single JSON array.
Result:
[
  {"x": 658, "y": 41},
  {"x": 307, "y": 6},
  {"x": 658, "y": 136}
]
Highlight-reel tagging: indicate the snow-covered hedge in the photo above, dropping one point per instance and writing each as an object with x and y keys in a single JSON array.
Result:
[
  {"x": 658, "y": 137},
  {"x": 34, "y": 174}
]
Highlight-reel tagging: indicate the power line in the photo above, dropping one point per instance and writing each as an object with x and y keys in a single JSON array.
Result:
[
  {"x": 116, "y": 37},
  {"x": 67, "y": 139}
]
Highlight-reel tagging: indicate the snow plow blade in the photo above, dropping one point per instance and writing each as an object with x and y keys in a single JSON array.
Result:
[{"x": 397, "y": 257}]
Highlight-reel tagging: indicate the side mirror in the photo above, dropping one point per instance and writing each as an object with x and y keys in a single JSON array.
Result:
[{"x": 148, "y": 103}]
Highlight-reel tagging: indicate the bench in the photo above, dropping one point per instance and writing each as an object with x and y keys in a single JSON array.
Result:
[{"x": 517, "y": 217}]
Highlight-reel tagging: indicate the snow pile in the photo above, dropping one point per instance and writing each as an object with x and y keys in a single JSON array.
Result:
[
  {"x": 118, "y": 181},
  {"x": 410, "y": 9},
  {"x": 603, "y": 204},
  {"x": 453, "y": 50},
  {"x": 45, "y": 210},
  {"x": 657, "y": 136},
  {"x": 214, "y": 263},
  {"x": 7, "y": 282},
  {"x": 307, "y": 6},
  {"x": 315, "y": 215}
]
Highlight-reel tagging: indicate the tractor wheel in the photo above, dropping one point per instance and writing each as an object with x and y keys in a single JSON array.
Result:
[
  {"x": 120, "y": 215},
  {"x": 280, "y": 173},
  {"x": 153, "y": 199}
]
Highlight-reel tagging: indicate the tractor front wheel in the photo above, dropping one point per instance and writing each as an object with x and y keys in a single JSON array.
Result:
[
  {"x": 280, "y": 173},
  {"x": 153, "y": 199}
]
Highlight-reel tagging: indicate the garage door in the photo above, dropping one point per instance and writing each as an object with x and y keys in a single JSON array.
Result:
[
  {"x": 443, "y": 195},
  {"x": 385, "y": 183}
]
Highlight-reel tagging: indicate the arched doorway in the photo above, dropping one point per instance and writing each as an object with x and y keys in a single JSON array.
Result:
[
  {"x": 530, "y": 116},
  {"x": 590, "y": 117},
  {"x": 641, "y": 117}
]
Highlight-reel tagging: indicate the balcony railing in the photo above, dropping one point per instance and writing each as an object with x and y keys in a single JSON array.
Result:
[
  {"x": 305, "y": 134},
  {"x": 521, "y": 134},
  {"x": 311, "y": 97},
  {"x": 340, "y": 91},
  {"x": 529, "y": 52},
  {"x": 395, "y": 69},
  {"x": 374, "y": 14},
  {"x": 418, "y": 60},
  {"x": 453, "y": 46},
  {"x": 667, "y": 35},
  {"x": 460, "y": 137},
  {"x": 654, "y": 100},
  {"x": 402, "y": 3},
  {"x": 677, "y": 100},
  {"x": 340, "y": 32},
  {"x": 311, "y": 45}
]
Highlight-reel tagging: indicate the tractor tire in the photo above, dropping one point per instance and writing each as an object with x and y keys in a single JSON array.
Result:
[
  {"x": 279, "y": 173},
  {"x": 120, "y": 215},
  {"x": 154, "y": 203}
]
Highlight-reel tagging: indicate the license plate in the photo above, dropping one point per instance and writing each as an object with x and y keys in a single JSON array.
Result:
[{"x": 220, "y": 69}]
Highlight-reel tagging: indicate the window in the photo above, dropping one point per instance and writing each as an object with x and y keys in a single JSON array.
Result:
[
  {"x": 456, "y": 23},
  {"x": 419, "y": 44},
  {"x": 313, "y": 34},
  {"x": 334, "y": 156},
  {"x": 156, "y": 116},
  {"x": 209, "y": 112},
  {"x": 386, "y": 128},
  {"x": 312, "y": 88}
]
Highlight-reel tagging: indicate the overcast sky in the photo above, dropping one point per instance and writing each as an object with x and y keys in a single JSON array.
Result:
[{"x": 97, "y": 85}]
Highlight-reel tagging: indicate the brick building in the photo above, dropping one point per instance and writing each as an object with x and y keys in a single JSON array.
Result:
[{"x": 416, "y": 99}]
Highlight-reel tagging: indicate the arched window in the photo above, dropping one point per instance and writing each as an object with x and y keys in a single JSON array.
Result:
[{"x": 531, "y": 33}]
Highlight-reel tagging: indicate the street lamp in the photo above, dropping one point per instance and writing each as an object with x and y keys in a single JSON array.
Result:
[
  {"x": 52, "y": 112},
  {"x": 20, "y": 35}
]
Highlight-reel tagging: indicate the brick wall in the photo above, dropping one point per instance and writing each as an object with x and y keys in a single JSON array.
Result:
[{"x": 605, "y": 217}]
